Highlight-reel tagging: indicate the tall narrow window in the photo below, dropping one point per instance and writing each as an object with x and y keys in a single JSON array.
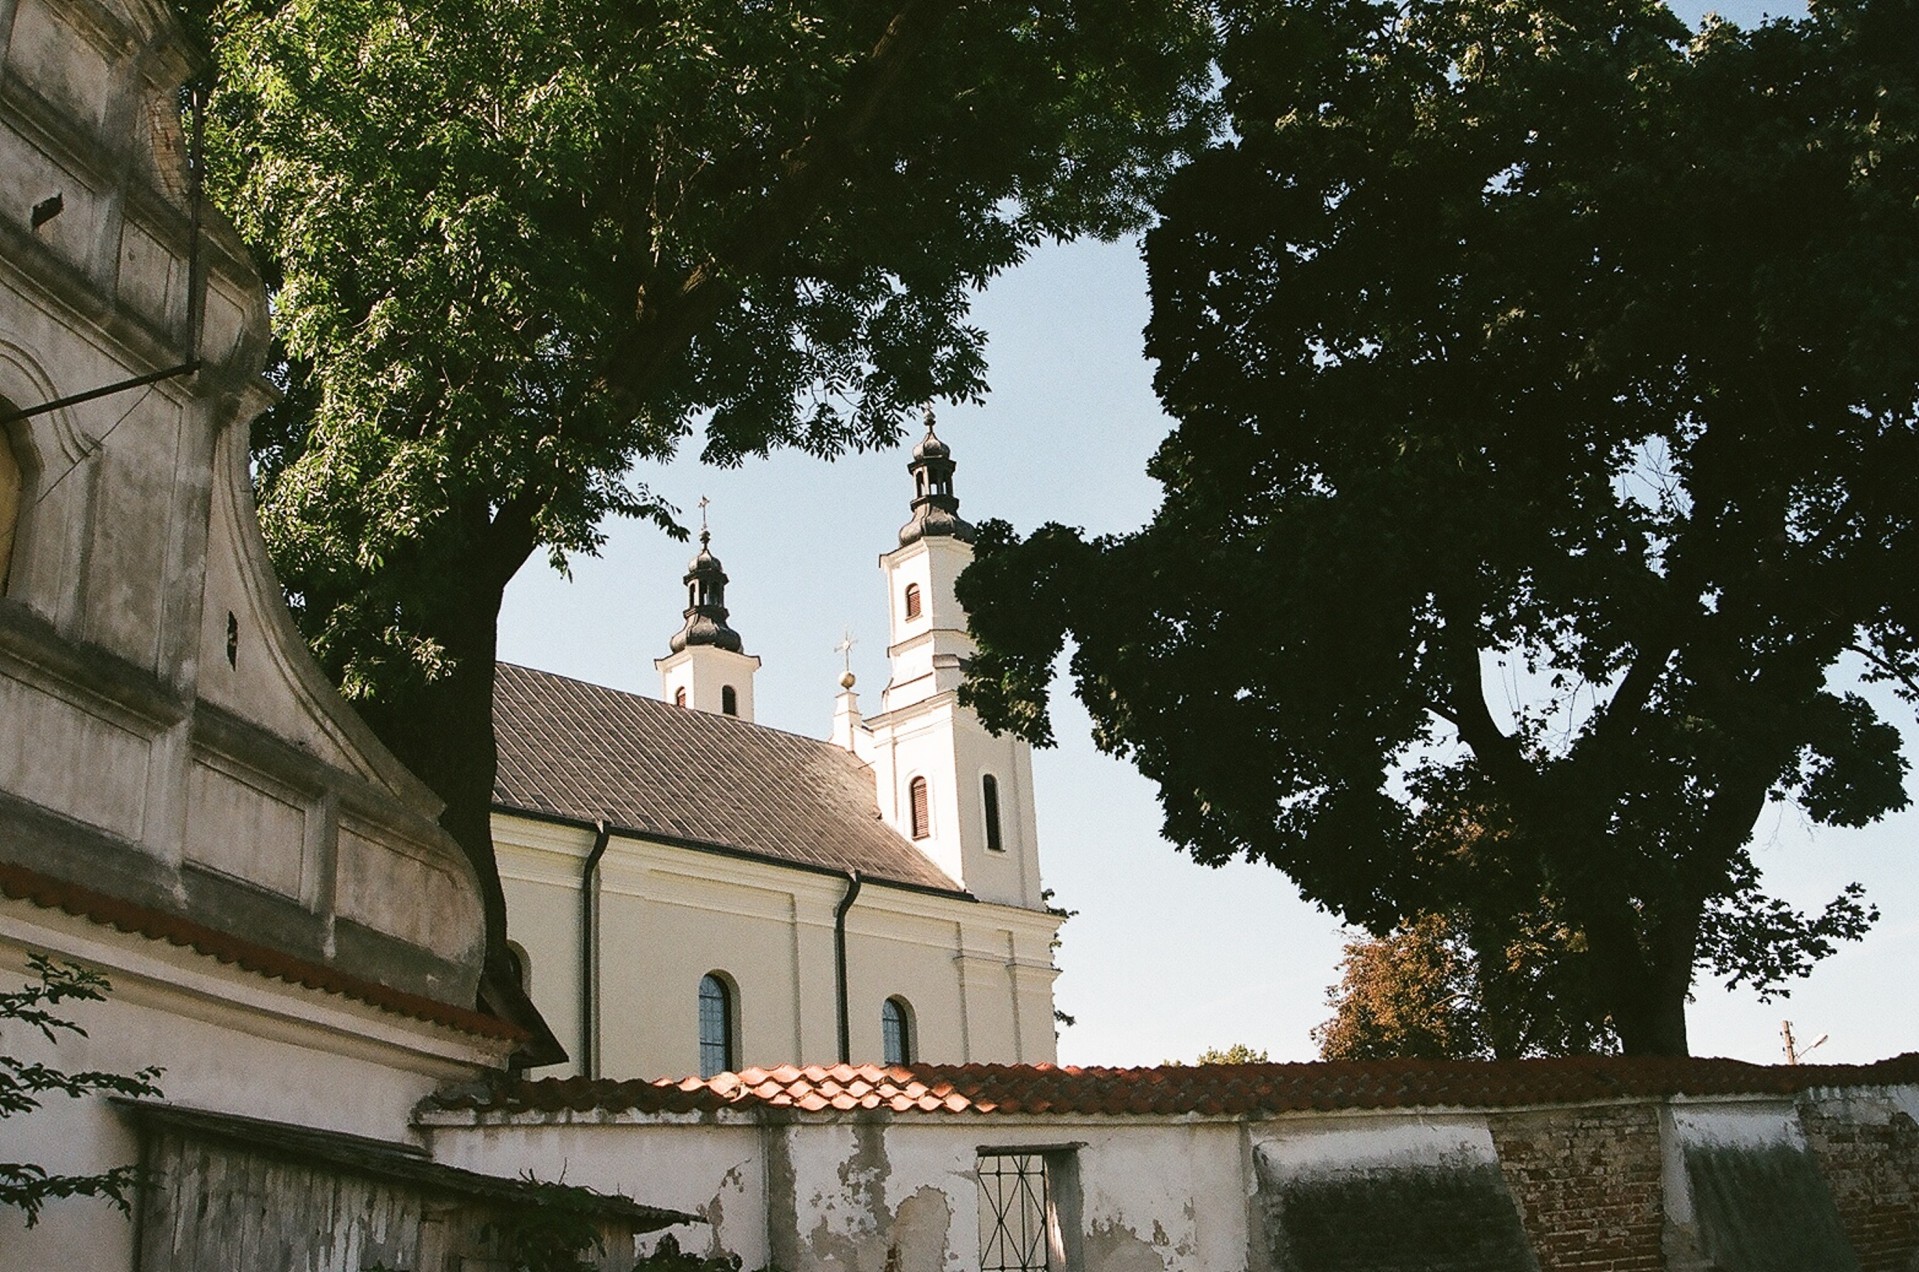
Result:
[
  {"x": 989, "y": 796},
  {"x": 729, "y": 701},
  {"x": 718, "y": 1044},
  {"x": 896, "y": 1032},
  {"x": 922, "y": 812},
  {"x": 679, "y": 696},
  {"x": 9, "y": 499},
  {"x": 912, "y": 600}
]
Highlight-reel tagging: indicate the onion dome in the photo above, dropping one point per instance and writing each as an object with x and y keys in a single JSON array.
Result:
[
  {"x": 935, "y": 507},
  {"x": 705, "y": 604}
]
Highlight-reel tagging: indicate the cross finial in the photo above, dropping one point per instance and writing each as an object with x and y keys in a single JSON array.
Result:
[
  {"x": 704, "y": 532},
  {"x": 845, "y": 649}
]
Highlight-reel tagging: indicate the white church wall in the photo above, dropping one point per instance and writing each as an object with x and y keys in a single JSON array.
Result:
[
  {"x": 705, "y": 673},
  {"x": 977, "y": 977},
  {"x": 540, "y": 868}
]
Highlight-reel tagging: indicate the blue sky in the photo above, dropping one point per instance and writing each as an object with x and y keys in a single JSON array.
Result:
[{"x": 1165, "y": 958}]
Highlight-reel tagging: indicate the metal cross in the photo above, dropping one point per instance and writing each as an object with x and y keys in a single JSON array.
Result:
[
  {"x": 845, "y": 648},
  {"x": 703, "y": 502}
]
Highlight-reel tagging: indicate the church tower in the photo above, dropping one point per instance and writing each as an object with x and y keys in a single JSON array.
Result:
[
  {"x": 707, "y": 670},
  {"x": 964, "y": 796}
]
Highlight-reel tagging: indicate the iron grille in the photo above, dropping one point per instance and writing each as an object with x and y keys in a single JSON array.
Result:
[{"x": 1012, "y": 1213}]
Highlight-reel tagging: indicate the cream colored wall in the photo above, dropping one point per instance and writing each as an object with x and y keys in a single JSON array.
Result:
[
  {"x": 978, "y": 977},
  {"x": 704, "y": 671}
]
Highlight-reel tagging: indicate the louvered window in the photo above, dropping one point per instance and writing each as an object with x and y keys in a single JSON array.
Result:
[
  {"x": 922, "y": 811},
  {"x": 912, "y": 600},
  {"x": 679, "y": 696},
  {"x": 989, "y": 796}
]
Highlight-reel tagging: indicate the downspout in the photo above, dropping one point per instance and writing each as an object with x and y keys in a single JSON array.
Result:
[
  {"x": 839, "y": 961},
  {"x": 589, "y": 948}
]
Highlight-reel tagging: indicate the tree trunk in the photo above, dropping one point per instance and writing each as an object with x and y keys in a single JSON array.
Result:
[
  {"x": 443, "y": 732},
  {"x": 1648, "y": 1016}
]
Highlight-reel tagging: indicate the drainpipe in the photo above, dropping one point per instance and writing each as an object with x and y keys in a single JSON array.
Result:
[
  {"x": 589, "y": 942},
  {"x": 839, "y": 961}
]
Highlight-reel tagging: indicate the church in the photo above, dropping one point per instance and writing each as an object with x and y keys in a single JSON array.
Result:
[{"x": 692, "y": 892}]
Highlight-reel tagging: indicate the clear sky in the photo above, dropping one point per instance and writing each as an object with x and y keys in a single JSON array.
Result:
[{"x": 1166, "y": 957}]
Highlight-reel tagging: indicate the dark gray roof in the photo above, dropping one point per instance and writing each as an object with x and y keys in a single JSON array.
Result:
[{"x": 582, "y": 751}]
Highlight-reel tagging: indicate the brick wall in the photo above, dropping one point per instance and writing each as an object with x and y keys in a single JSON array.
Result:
[
  {"x": 1871, "y": 1164},
  {"x": 1588, "y": 1184}
]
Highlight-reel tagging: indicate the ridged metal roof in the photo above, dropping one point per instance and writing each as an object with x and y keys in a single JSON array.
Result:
[{"x": 585, "y": 752}]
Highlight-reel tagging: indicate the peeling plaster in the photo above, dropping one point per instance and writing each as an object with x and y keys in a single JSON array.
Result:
[
  {"x": 782, "y": 1199},
  {"x": 921, "y": 1234},
  {"x": 1110, "y": 1247},
  {"x": 714, "y": 1211}
]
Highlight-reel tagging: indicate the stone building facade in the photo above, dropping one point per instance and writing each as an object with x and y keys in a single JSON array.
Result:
[{"x": 186, "y": 806}]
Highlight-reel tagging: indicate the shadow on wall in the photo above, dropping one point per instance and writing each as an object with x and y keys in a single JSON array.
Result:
[
  {"x": 1765, "y": 1209},
  {"x": 1452, "y": 1217}
]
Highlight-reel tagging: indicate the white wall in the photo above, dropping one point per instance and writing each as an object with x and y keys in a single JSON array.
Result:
[
  {"x": 978, "y": 977},
  {"x": 229, "y": 1041}
]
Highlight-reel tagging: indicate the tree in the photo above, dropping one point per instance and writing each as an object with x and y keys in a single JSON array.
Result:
[
  {"x": 27, "y": 1186},
  {"x": 1423, "y": 991},
  {"x": 1545, "y": 395},
  {"x": 1238, "y": 1053},
  {"x": 516, "y": 247}
]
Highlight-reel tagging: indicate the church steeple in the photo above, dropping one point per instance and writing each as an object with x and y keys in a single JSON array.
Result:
[
  {"x": 709, "y": 669},
  {"x": 962, "y": 795},
  {"x": 705, "y": 603},
  {"x": 935, "y": 506}
]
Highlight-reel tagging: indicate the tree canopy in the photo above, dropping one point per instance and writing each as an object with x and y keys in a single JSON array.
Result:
[
  {"x": 1425, "y": 991},
  {"x": 1547, "y": 412},
  {"x": 518, "y": 246}
]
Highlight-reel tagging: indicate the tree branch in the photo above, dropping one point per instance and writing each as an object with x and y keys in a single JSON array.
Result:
[{"x": 671, "y": 309}]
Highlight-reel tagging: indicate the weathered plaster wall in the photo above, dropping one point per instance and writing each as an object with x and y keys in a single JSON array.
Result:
[
  {"x": 167, "y": 736},
  {"x": 1739, "y": 1184},
  {"x": 227, "y": 1040},
  {"x": 167, "y": 745}
]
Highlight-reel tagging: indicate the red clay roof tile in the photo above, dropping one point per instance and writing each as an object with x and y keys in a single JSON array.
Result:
[
  {"x": 49, "y": 893},
  {"x": 1211, "y": 1090}
]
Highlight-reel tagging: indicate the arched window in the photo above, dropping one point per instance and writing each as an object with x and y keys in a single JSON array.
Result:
[
  {"x": 719, "y": 1043},
  {"x": 912, "y": 600},
  {"x": 522, "y": 965},
  {"x": 989, "y": 796},
  {"x": 10, "y": 485},
  {"x": 922, "y": 812},
  {"x": 896, "y": 1032},
  {"x": 729, "y": 701},
  {"x": 679, "y": 696}
]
